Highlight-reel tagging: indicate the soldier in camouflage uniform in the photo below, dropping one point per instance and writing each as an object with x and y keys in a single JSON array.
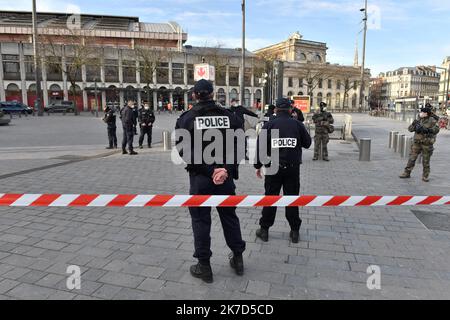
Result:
[
  {"x": 323, "y": 122},
  {"x": 426, "y": 129}
]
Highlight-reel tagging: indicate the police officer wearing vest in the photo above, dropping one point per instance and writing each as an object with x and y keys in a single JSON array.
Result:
[
  {"x": 128, "y": 123},
  {"x": 293, "y": 136},
  {"x": 210, "y": 179},
  {"x": 146, "y": 119},
  {"x": 324, "y": 126}
]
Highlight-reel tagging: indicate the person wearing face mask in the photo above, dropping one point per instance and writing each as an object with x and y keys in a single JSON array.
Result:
[
  {"x": 128, "y": 122},
  {"x": 146, "y": 120},
  {"x": 425, "y": 131},
  {"x": 324, "y": 126},
  {"x": 110, "y": 120}
]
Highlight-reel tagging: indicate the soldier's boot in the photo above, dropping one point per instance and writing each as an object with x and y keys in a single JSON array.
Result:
[
  {"x": 405, "y": 175},
  {"x": 237, "y": 263},
  {"x": 425, "y": 178},
  {"x": 295, "y": 236},
  {"x": 203, "y": 272},
  {"x": 315, "y": 158},
  {"x": 263, "y": 234},
  {"x": 326, "y": 159}
]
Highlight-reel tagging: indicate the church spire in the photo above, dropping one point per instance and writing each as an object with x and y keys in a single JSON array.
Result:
[{"x": 356, "y": 61}]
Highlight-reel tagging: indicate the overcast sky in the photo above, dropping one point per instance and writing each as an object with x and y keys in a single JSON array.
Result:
[{"x": 401, "y": 33}]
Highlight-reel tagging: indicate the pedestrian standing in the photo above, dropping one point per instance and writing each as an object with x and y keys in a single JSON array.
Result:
[
  {"x": 323, "y": 121},
  {"x": 110, "y": 120},
  {"x": 206, "y": 178},
  {"x": 292, "y": 137},
  {"x": 146, "y": 121},
  {"x": 128, "y": 123},
  {"x": 425, "y": 131}
]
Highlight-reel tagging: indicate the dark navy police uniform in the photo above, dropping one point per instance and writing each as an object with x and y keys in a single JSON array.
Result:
[
  {"x": 200, "y": 118},
  {"x": 293, "y": 136}
]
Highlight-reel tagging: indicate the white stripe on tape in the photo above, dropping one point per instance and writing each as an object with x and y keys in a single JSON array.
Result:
[
  {"x": 64, "y": 200},
  {"x": 250, "y": 201},
  {"x": 102, "y": 200},
  {"x": 385, "y": 200},
  {"x": 319, "y": 201},
  {"x": 140, "y": 201},
  {"x": 177, "y": 201},
  {"x": 350, "y": 202},
  {"x": 25, "y": 200},
  {"x": 214, "y": 201}
]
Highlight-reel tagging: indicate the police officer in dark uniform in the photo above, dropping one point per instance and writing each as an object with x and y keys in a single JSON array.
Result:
[
  {"x": 146, "y": 120},
  {"x": 210, "y": 179},
  {"x": 128, "y": 122},
  {"x": 110, "y": 120},
  {"x": 293, "y": 136}
]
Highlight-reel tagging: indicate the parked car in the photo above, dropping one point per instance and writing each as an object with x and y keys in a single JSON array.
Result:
[
  {"x": 11, "y": 107},
  {"x": 3, "y": 119},
  {"x": 60, "y": 106}
]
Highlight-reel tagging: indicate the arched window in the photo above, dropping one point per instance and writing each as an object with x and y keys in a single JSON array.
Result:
[
  {"x": 338, "y": 100},
  {"x": 317, "y": 58},
  {"x": 329, "y": 99},
  {"x": 221, "y": 97},
  {"x": 32, "y": 87},
  {"x": 247, "y": 98},
  {"x": 354, "y": 101},
  {"x": 300, "y": 93},
  {"x": 12, "y": 87},
  {"x": 233, "y": 94},
  {"x": 302, "y": 57},
  {"x": 55, "y": 87},
  {"x": 319, "y": 98},
  {"x": 290, "y": 94}
]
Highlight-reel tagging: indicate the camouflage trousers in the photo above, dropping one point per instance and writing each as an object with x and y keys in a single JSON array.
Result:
[
  {"x": 416, "y": 150},
  {"x": 321, "y": 139}
]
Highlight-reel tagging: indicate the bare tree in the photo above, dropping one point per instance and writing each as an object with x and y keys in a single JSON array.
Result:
[
  {"x": 79, "y": 51},
  {"x": 315, "y": 75},
  {"x": 149, "y": 61}
]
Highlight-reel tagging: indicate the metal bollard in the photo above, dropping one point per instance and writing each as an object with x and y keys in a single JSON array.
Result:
[
  {"x": 395, "y": 141},
  {"x": 391, "y": 138},
  {"x": 167, "y": 142},
  {"x": 364, "y": 149},
  {"x": 407, "y": 147},
  {"x": 401, "y": 142}
]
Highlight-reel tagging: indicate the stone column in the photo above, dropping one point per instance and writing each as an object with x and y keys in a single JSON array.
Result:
[
  {"x": 44, "y": 83},
  {"x": 227, "y": 83},
  {"x": 64, "y": 75},
  {"x": 2, "y": 84},
  {"x": 23, "y": 82}
]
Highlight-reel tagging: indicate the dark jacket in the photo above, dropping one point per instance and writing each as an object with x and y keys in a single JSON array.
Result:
[
  {"x": 240, "y": 111},
  {"x": 289, "y": 129},
  {"x": 190, "y": 121},
  {"x": 128, "y": 119},
  {"x": 299, "y": 113},
  {"x": 146, "y": 117},
  {"x": 110, "y": 118}
]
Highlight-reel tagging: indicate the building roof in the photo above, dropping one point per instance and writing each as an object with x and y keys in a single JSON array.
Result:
[
  {"x": 218, "y": 51},
  {"x": 53, "y": 20}
]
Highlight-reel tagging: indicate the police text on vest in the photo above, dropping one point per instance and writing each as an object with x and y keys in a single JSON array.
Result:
[
  {"x": 203, "y": 123},
  {"x": 284, "y": 143}
]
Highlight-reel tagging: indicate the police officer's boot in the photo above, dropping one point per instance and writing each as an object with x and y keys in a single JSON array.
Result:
[
  {"x": 295, "y": 236},
  {"x": 405, "y": 175},
  {"x": 124, "y": 151},
  {"x": 237, "y": 263},
  {"x": 263, "y": 234},
  {"x": 203, "y": 272}
]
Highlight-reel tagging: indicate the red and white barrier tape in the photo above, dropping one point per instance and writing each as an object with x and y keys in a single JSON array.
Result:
[{"x": 122, "y": 200}]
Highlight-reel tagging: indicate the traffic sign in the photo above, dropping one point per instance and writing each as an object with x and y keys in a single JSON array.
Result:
[{"x": 204, "y": 71}]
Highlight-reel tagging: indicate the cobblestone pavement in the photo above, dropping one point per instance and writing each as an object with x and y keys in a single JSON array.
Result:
[{"x": 135, "y": 253}]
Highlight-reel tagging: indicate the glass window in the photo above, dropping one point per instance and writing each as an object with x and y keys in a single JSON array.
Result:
[
  {"x": 330, "y": 84},
  {"x": 162, "y": 73},
  {"x": 290, "y": 82},
  {"x": 111, "y": 70},
  {"x": 234, "y": 76},
  {"x": 178, "y": 73},
  {"x": 11, "y": 67},
  {"x": 129, "y": 71},
  {"x": 54, "y": 69}
]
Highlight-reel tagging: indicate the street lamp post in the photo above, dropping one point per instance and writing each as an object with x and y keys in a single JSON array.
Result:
[
  {"x": 96, "y": 101},
  {"x": 242, "y": 79},
  {"x": 361, "y": 93},
  {"x": 36, "y": 63}
]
